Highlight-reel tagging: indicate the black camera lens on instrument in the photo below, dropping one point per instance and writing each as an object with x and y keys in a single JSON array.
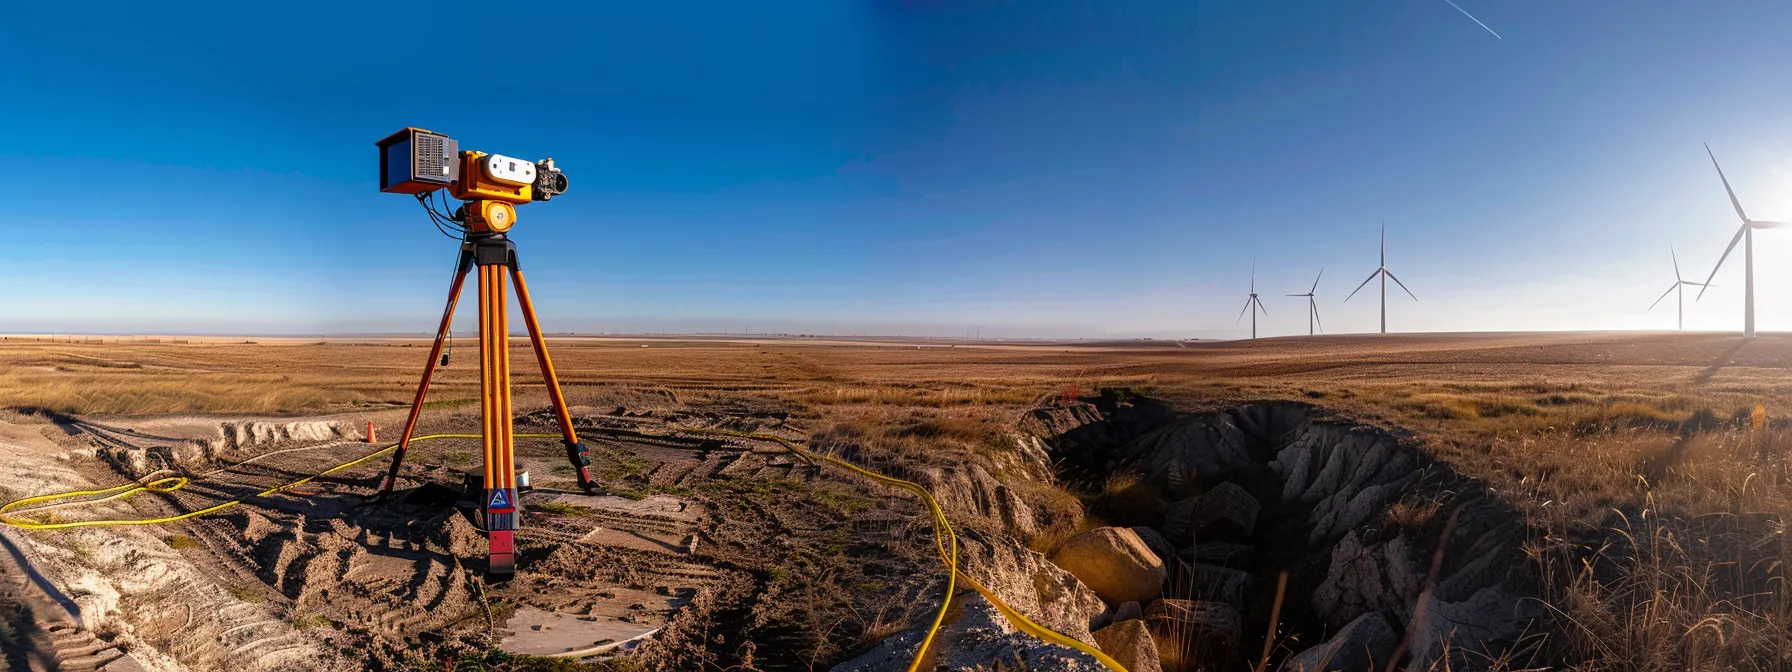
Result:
[{"x": 549, "y": 181}]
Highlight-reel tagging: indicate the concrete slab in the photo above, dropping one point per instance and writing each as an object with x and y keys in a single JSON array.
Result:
[
  {"x": 124, "y": 663},
  {"x": 659, "y": 506},
  {"x": 642, "y": 541},
  {"x": 616, "y": 623}
]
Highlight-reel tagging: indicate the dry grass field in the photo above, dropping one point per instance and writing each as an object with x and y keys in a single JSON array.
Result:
[{"x": 1657, "y": 513}]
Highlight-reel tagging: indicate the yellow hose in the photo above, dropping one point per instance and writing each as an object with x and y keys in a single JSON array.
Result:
[
  {"x": 945, "y": 538},
  {"x": 12, "y": 509},
  {"x": 941, "y": 527}
]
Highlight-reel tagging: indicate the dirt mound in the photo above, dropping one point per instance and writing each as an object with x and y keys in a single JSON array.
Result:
[{"x": 139, "y": 453}]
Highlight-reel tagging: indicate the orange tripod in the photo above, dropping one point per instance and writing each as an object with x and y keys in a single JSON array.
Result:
[{"x": 493, "y": 253}]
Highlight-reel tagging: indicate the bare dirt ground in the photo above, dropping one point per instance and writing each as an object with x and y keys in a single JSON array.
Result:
[{"x": 735, "y": 554}]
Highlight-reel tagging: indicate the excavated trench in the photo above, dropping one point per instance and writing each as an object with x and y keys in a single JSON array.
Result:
[{"x": 1387, "y": 552}]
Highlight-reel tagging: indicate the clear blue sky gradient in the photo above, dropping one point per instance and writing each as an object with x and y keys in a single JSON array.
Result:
[{"x": 1047, "y": 168}]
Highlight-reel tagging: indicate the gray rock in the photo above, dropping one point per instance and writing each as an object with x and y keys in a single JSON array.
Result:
[
  {"x": 1219, "y": 584},
  {"x": 1130, "y": 644},
  {"x": 1226, "y": 512},
  {"x": 1130, "y": 611},
  {"x": 1032, "y": 585},
  {"x": 1465, "y": 629},
  {"x": 981, "y": 640},
  {"x": 1223, "y": 553},
  {"x": 1379, "y": 577},
  {"x": 1362, "y": 646},
  {"x": 1354, "y": 506},
  {"x": 1295, "y": 462},
  {"x": 1192, "y": 447},
  {"x": 1487, "y": 561},
  {"x": 1158, "y": 544}
]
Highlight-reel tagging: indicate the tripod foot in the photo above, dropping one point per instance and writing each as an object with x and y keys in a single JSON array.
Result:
[
  {"x": 503, "y": 554},
  {"x": 580, "y": 457}
]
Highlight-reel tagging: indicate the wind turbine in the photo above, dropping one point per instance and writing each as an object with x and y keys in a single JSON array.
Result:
[
  {"x": 1312, "y": 306},
  {"x": 1680, "y": 286},
  {"x": 1385, "y": 274},
  {"x": 1748, "y": 252},
  {"x": 1253, "y": 301}
]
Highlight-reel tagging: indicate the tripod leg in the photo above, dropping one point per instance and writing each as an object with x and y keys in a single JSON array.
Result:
[
  {"x": 435, "y": 351},
  {"x": 494, "y": 387},
  {"x": 575, "y": 451}
]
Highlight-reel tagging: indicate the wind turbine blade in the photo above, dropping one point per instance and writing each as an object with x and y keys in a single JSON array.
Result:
[
  {"x": 1676, "y": 259},
  {"x": 1727, "y": 189},
  {"x": 1401, "y": 284},
  {"x": 1316, "y": 282},
  {"x": 1720, "y": 260},
  {"x": 1664, "y": 295},
  {"x": 1253, "y": 276},
  {"x": 1471, "y": 17},
  {"x": 1247, "y": 308},
  {"x": 1768, "y": 225},
  {"x": 1260, "y": 307},
  {"x": 1384, "y": 243},
  {"x": 1314, "y": 306},
  {"x": 1298, "y": 295},
  {"x": 1361, "y": 286}
]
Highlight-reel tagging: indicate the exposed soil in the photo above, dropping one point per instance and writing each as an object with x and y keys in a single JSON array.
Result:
[{"x": 727, "y": 553}]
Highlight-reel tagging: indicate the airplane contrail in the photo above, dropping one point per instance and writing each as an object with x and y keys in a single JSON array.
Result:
[{"x": 1471, "y": 17}]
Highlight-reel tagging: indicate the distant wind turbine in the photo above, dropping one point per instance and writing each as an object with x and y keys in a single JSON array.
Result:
[
  {"x": 1680, "y": 286},
  {"x": 1748, "y": 252},
  {"x": 1385, "y": 274},
  {"x": 1312, "y": 306},
  {"x": 1253, "y": 301}
]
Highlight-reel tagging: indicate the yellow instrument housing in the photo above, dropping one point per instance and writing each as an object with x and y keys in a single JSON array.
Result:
[{"x": 474, "y": 184}]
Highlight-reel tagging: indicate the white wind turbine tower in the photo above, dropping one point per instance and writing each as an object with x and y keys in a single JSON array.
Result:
[
  {"x": 1385, "y": 274},
  {"x": 1679, "y": 286},
  {"x": 1253, "y": 301},
  {"x": 1748, "y": 252},
  {"x": 1312, "y": 306}
]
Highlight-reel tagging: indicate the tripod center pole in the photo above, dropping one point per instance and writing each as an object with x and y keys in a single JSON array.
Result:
[{"x": 493, "y": 253}]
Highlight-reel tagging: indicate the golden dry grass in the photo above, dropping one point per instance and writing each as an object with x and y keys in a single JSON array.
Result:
[{"x": 1658, "y": 518}]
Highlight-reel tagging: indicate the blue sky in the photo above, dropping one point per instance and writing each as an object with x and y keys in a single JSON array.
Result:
[{"x": 1042, "y": 168}]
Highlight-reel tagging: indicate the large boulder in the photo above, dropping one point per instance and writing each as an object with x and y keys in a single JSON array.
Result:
[
  {"x": 1130, "y": 644},
  {"x": 1362, "y": 646},
  {"x": 1115, "y": 563}
]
